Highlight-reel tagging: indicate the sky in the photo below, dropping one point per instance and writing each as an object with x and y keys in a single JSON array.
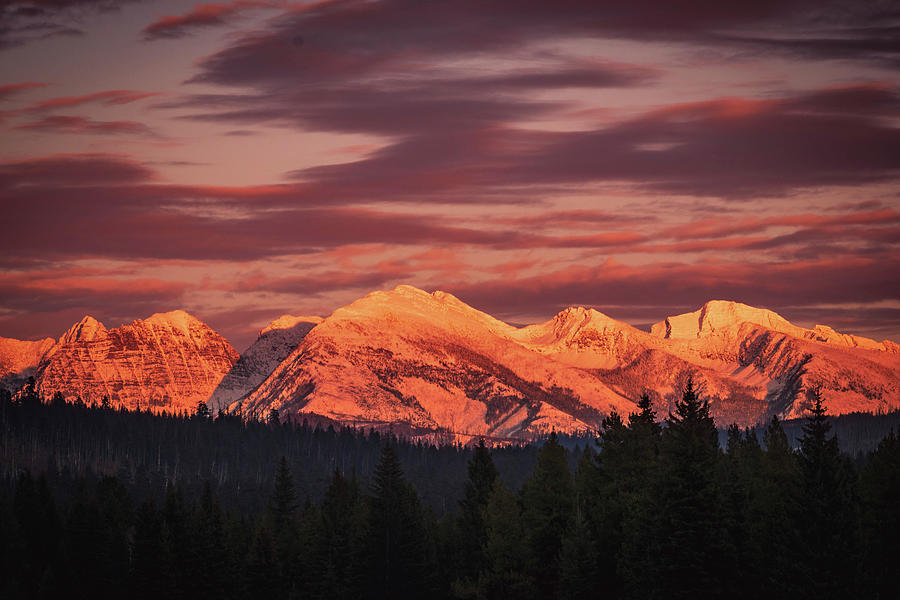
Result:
[{"x": 245, "y": 159}]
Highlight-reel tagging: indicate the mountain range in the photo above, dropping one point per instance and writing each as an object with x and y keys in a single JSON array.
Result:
[{"x": 422, "y": 362}]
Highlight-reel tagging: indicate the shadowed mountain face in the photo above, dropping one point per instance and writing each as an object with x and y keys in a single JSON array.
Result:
[
  {"x": 275, "y": 342},
  {"x": 417, "y": 361}
]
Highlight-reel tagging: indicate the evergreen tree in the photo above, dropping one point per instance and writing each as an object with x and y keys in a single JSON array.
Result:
[
  {"x": 772, "y": 541},
  {"x": 739, "y": 485},
  {"x": 508, "y": 569},
  {"x": 829, "y": 519},
  {"x": 880, "y": 492},
  {"x": 283, "y": 528},
  {"x": 580, "y": 574},
  {"x": 41, "y": 567},
  {"x": 482, "y": 477},
  {"x": 547, "y": 511},
  {"x": 151, "y": 560},
  {"x": 177, "y": 541},
  {"x": 203, "y": 411},
  {"x": 263, "y": 575},
  {"x": 283, "y": 503},
  {"x": 620, "y": 506},
  {"x": 209, "y": 553},
  {"x": 336, "y": 557},
  {"x": 686, "y": 549},
  {"x": 396, "y": 545}
]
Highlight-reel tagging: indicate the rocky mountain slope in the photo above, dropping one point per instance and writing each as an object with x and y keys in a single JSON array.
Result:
[
  {"x": 19, "y": 359},
  {"x": 423, "y": 362},
  {"x": 169, "y": 361},
  {"x": 429, "y": 361}
]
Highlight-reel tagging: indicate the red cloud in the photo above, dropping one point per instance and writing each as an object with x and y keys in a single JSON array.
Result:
[
  {"x": 72, "y": 124},
  {"x": 45, "y": 303},
  {"x": 202, "y": 15},
  {"x": 73, "y": 170},
  {"x": 13, "y": 89},
  {"x": 677, "y": 286},
  {"x": 108, "y": 98}
]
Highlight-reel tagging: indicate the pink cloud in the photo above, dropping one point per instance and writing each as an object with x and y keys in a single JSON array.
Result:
[
  {"x": 82, "y": 125},
  {"x": 677, "y": 286},
  {"x": 14, "y": 89},
  {"x": 107, "y": 98},
  {"x": 203, "y": 15}
]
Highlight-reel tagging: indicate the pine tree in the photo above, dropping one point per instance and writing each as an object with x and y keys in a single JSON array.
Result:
[
  {"x": 337, "y": 544},
  {"x": 151, "y": 568},
  {"x": 283, "y": 503},
  {"x": 580, "y": 566},
  {"x": 282, "y": 526},
  {"x": 41, "y": 565},
  {"x": 207, "y": 528},
  {"x": 396, "y": 545},
  {"x": 509, "y": 565},
  {"x": 684, "y": 549},
  {"x": 829, "y": 519},
  {"x": 880, "y": 493},
  {"x": 772, "y": 541},
  {"x": 547, "y": 511},
  {"x": 203, "y": 411},
  {"x": 482, "y": 477},
  {"x": 625, "y": 469}
]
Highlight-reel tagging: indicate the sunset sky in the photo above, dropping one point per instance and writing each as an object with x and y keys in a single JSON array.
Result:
[{"x": 245, "y": 159}]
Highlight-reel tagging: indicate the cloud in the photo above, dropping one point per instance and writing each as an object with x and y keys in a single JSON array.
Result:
[
  {"x": 366, "y": 68},
  {"x": 46, "y": 302},
  {"x": 203, "y": 15},
  {"x": 106, "y": 98},
  {"x": 14, "y": 89},
  {"x": 26, "y": 21},
  {"x": 676, "y": 286},
  {"x": 328, "y": 41},
  {"x": 82, "y": 125},
  {"x": 72, "y": 170},
  {"x": 714, "y": 228},
  {"x": 730, "y": 147}
]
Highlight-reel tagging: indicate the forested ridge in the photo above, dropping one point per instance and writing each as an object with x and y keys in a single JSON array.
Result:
[{"x": 97, "y": 502}]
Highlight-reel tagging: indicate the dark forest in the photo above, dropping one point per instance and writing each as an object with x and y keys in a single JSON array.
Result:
[{"x": 97, "y": 502}]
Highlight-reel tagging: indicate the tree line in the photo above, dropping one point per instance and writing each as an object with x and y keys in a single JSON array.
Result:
[{"x": 650, "y": 509}]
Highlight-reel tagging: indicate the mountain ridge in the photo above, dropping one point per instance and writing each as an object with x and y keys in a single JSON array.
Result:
[{"x": 432, "y": 362}]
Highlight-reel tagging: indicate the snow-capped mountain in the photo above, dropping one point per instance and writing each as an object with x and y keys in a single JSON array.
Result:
[
  {"x": 275, "y": 342},
  {"x": 169, "y": 361},
  {"x": 772, "y": 360},
  {"x": 429, "y": 361}
]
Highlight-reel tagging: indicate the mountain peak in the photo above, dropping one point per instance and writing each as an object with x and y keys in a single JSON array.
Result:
[
  {"x": 568, "y": 324},
  {"x": 87, "y": 329},
  {"x": 717, "y": 315},
  {"x": 409, "y": 290},
  {"x": 287, "y": 322},
  {"x": 574, "y": 318},
  {"x": 176, "y": 319}
]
